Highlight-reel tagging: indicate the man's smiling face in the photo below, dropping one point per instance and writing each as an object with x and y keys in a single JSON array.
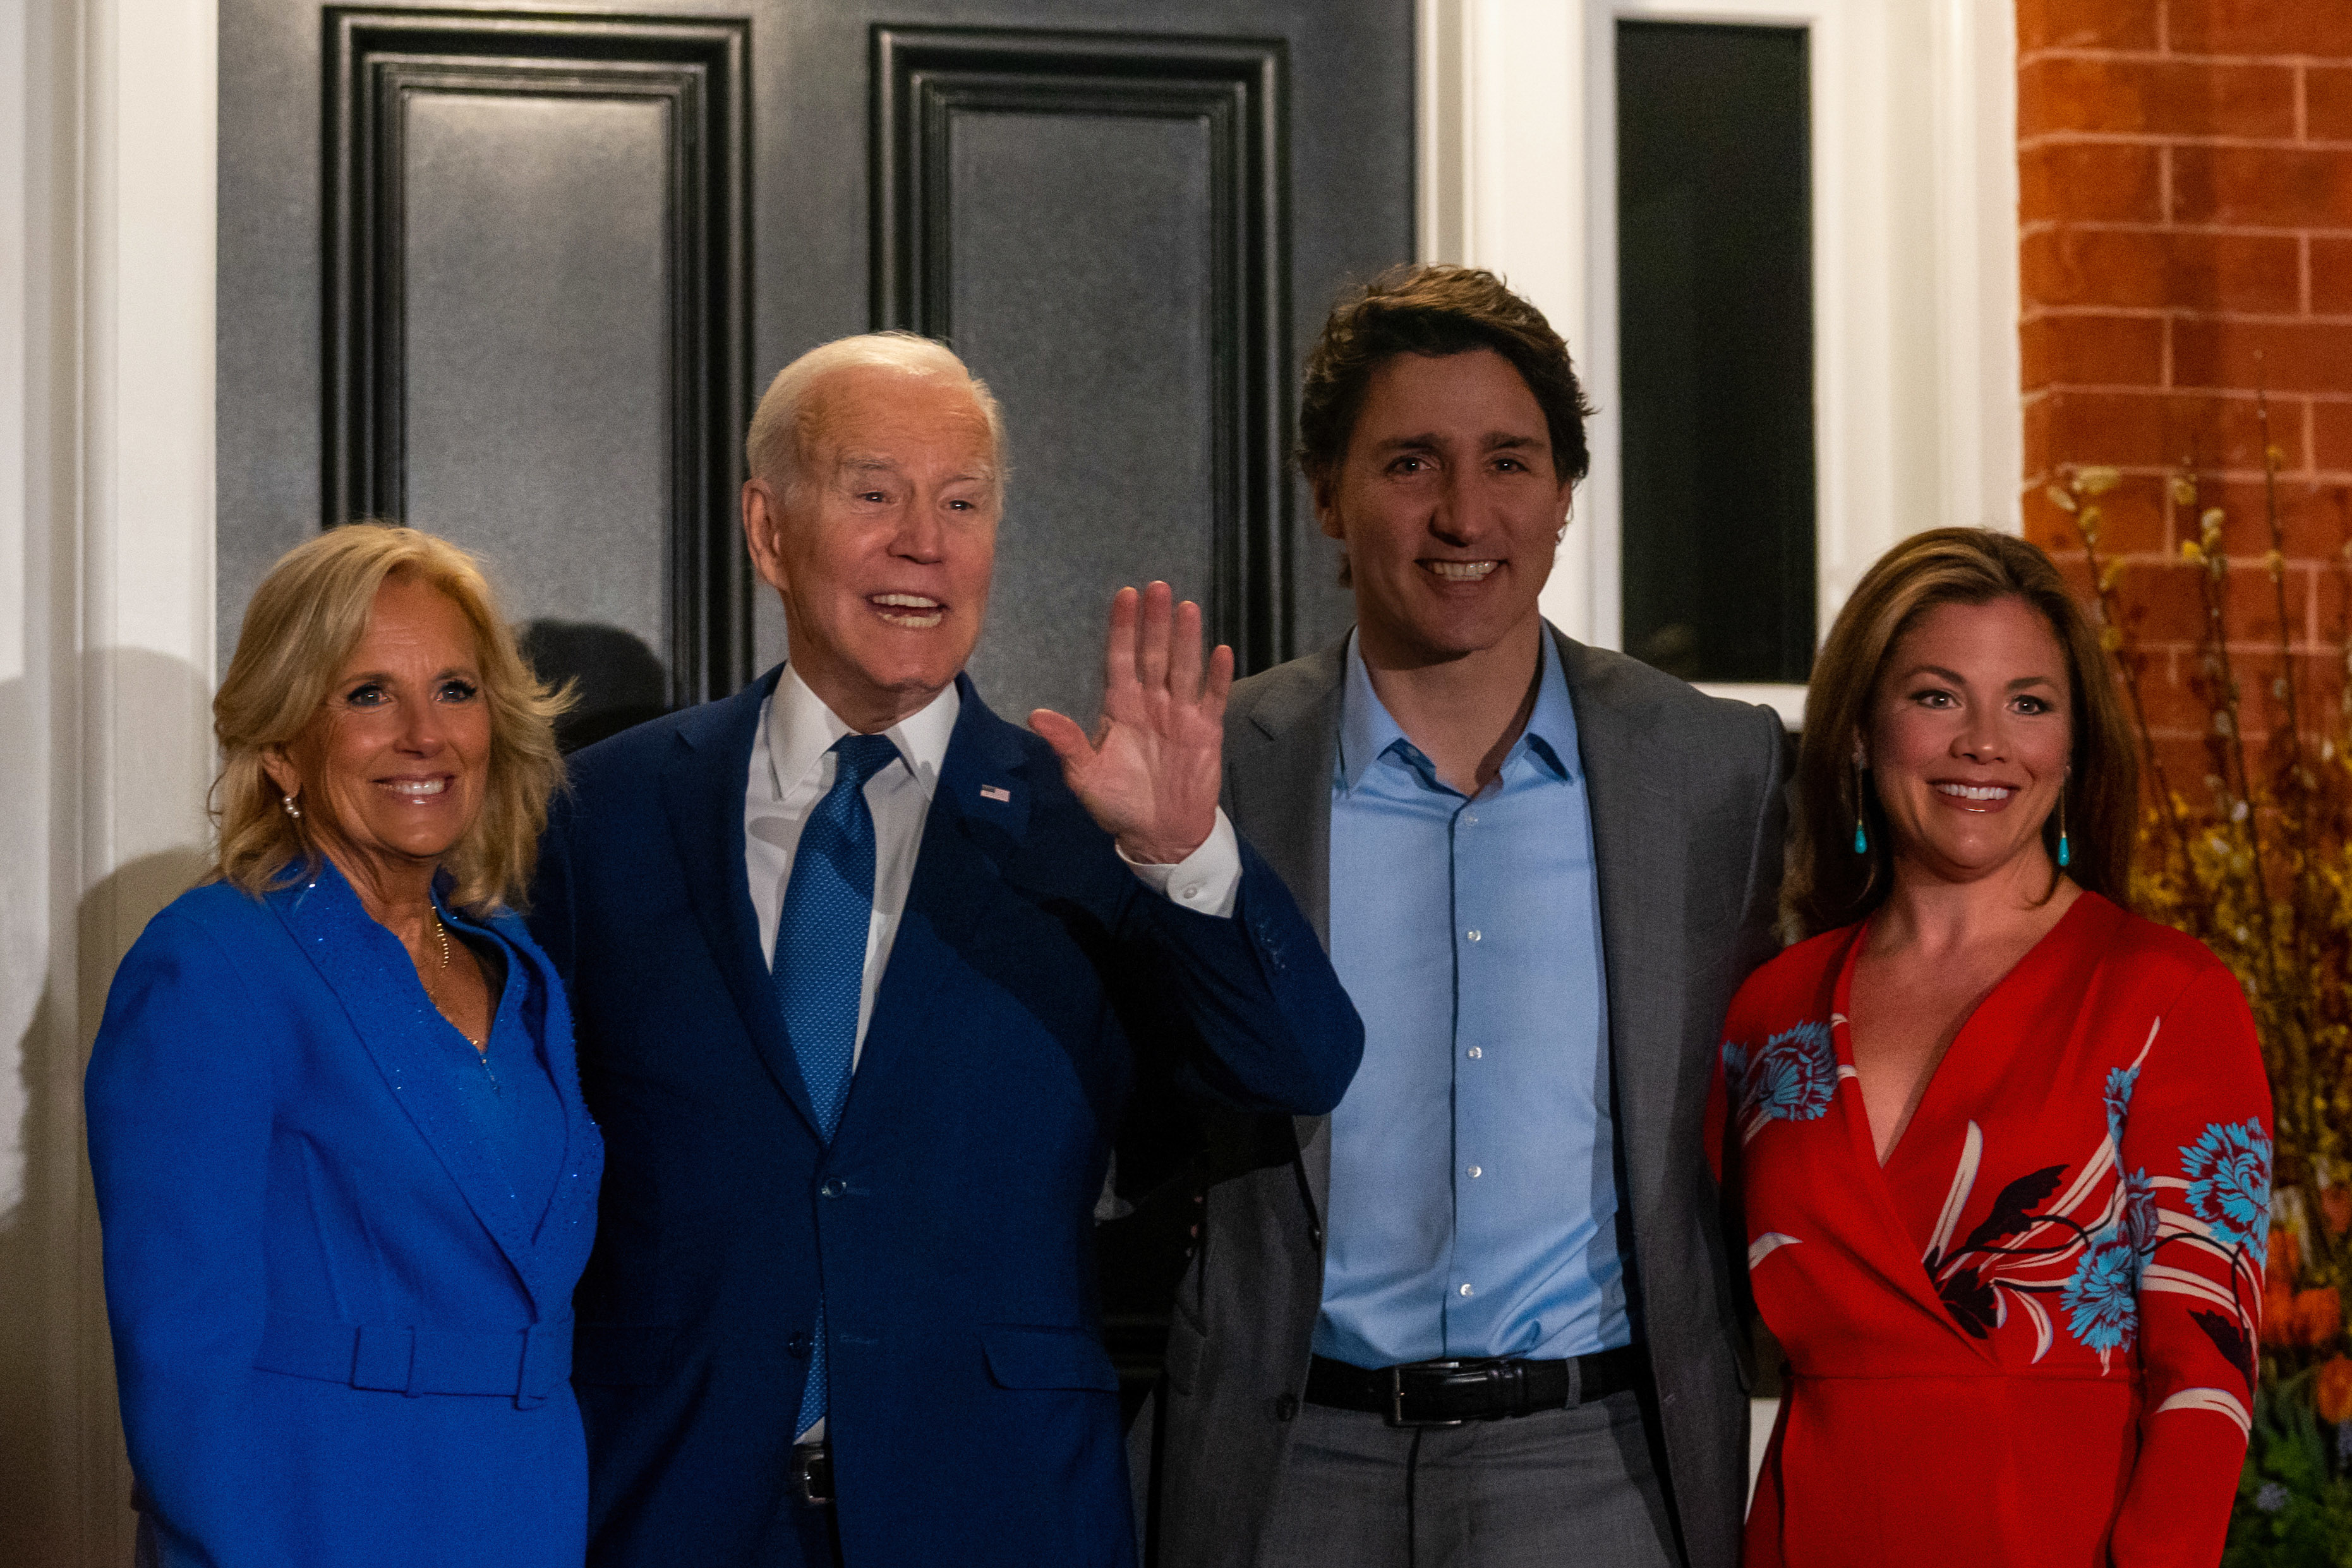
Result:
[
  {"x": 884, "y": 544},
  {"x": 1449, "y": 507}
]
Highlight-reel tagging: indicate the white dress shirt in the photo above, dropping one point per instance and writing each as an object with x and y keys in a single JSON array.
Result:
[{"x": 792, "y": 770}]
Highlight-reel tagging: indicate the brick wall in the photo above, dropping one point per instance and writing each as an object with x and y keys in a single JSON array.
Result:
[{"x": 2186, "y": 223}]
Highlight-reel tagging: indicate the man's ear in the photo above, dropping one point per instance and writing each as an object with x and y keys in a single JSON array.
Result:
[
  {"x": 1326, "y": 513},
  {"x": 762, "y": 522}
]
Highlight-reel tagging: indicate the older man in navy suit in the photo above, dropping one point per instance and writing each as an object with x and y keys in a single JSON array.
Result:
[{"x": 862, "y": 973}]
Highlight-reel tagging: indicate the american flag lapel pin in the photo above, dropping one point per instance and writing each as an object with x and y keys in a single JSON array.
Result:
[{"x": 993, "y": 792}]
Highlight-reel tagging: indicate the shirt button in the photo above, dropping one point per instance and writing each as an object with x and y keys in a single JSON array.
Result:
[
  {"x": 1477, "y": 1172},
  {"x": 1193, "y": 891},
  {"x": 1465, "y": 1289},
  {"x": 1476, "y": 1053},
  {"x": 1473, "y": 935},
  {"x": 1471, "y": 818},
  {"x": 833, "y": 1187}
]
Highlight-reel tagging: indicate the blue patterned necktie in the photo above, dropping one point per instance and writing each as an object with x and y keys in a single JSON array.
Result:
[{"x": 819, "y": 971}]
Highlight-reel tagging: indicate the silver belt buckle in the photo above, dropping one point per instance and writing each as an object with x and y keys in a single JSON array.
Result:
[{"x": 1394, "y": 1414}]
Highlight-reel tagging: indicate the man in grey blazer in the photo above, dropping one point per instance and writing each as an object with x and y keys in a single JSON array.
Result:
[{"x": 1487, "y": 1313}]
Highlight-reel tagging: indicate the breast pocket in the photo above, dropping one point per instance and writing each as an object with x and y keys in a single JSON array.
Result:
[{"x": 1047, "y": 1358}]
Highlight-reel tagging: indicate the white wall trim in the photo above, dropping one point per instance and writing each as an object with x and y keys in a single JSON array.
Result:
[
  {"x": 1502, "y": 129},
  {"x": 1975, "y": 70},
  {"x": 1914, "y": 249},
  {"x": 106, "y": 203}
]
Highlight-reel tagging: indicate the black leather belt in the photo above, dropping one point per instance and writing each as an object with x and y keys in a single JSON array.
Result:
[{"x": 1450, "y": 1392}]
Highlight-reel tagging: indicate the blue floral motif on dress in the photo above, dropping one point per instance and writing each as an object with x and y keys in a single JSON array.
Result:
[
  {"x": 2139, "y": 1223},
  {"x": 2120, "y": 1083},
  {"x": 2229, "y": 1172},
  {"x": 1735, "y": 1067},
  {"x": 2101, "y": 1294},
  {"x": 1795, "y": 1074}
]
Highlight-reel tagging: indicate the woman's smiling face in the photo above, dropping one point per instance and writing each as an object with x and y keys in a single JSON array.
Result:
[
  {"x": 393, "y": 765},
  {"x": 1967, "y": 738}
]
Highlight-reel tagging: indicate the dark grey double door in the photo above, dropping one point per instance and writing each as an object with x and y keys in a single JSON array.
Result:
[{"x": 516, "y": 275}]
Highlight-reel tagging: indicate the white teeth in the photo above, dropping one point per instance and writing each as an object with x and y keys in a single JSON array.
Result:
[
  {"x": 418, "y": 787},
  {"x": 929, "y": 612},
  {"x": 1976, "y": 792},
  {"x": 1463, "y": 571}
]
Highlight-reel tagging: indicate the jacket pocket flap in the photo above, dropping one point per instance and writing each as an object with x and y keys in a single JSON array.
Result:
[
  {"x": 611, "y": 1355},
  {"x": 1049, "y": 1358}
]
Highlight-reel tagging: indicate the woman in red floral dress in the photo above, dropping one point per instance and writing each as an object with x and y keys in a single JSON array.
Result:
[{"x": 2003, "y": 1148}]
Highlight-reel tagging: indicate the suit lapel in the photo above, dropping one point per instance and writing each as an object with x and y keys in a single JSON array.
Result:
[
  {"x": 369, "y": 974},
  {"x": 1637, "y": 850},
  {"x": 978, "y": 814},
  {"x": 702, "y": 792},
  {"x": 583, "y": 1156},
  {"x": 1279, "y": 772}
]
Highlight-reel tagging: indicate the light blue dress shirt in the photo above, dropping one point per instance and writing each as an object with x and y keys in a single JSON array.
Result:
[{"x": 1473, "y": 1200}]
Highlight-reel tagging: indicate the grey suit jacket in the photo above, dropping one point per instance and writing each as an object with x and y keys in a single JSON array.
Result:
[{"x": 1687, "y": 816}]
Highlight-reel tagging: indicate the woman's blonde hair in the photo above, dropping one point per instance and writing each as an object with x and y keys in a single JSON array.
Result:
[
  {"x": 1829, "y": 884},
  {"x": 304, "y": 621}
]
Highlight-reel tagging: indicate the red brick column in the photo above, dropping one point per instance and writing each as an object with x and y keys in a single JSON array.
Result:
[{"x": 2186, "y": 221}]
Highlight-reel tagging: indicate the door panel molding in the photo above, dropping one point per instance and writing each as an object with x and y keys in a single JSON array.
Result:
[
  {"x": 926, "y": 79},
  {"x": 697, "y": 71}
]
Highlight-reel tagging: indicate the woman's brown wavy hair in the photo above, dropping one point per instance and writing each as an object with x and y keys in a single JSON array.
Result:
[
  {"x": 304, "y": 621},
  {"x": 1829, "y": 885}
]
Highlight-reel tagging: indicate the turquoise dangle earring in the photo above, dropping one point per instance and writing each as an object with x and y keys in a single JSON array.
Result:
[
  {"x": 2066, "y": 853},
  {"x": 1861, "y": 835}
]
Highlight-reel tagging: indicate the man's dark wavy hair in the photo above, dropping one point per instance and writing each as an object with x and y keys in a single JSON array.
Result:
[{"x": 1436, "y": 310}]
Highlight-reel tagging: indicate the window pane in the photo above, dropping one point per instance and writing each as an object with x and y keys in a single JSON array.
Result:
[{"x": 1716, "y": 349}]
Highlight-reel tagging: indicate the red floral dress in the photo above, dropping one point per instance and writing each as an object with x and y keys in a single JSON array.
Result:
[{"x": 2030, "y": 1338}]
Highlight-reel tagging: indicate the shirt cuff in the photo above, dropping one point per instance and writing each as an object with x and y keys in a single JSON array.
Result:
[{"x": 1208, "y": 881}]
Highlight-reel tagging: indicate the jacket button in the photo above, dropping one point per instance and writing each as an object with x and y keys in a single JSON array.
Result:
[
  {"x": 833, "y": 1187},
  {"x": 1286, "y": 1407},
  {"x": 796, "y": 1346}
]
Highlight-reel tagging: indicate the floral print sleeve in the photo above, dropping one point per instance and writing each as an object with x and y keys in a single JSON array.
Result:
[{"x": 2191, "y": 1125}]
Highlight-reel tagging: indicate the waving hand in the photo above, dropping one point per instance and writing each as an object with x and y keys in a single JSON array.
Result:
[{"x": 1150, "y": 774}]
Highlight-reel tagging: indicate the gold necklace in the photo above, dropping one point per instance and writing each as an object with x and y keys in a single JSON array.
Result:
[{"x": 434, "y": 992}]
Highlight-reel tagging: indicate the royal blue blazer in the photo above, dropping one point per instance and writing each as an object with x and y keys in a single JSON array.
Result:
[
  {"x": 341, "y": 1326},
  {"x": 973, "y": 1413}
]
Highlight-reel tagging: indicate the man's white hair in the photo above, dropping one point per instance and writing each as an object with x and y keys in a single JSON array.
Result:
[{"x": 778, "y": 439}]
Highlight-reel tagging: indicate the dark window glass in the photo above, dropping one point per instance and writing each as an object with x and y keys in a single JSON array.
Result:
[{"x": 1716, "y": 349}]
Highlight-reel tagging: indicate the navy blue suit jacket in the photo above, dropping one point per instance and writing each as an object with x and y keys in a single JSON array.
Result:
[
  {"x": 339, "y": 1330},
  {"x": 974, "y": 1413}
]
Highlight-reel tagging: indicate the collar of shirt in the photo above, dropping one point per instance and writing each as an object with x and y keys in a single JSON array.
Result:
[
  {"x": 802, "y": 729},
  {"x": 1368, "y": 733}
]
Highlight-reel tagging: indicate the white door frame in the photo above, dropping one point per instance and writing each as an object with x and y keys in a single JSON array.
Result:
[{"x": 1917, "y": 412}]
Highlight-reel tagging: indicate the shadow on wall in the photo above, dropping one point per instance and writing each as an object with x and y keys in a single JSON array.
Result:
[
  {"x": 619, "y": 681},
  {"x": 64, "y": 1481}
]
